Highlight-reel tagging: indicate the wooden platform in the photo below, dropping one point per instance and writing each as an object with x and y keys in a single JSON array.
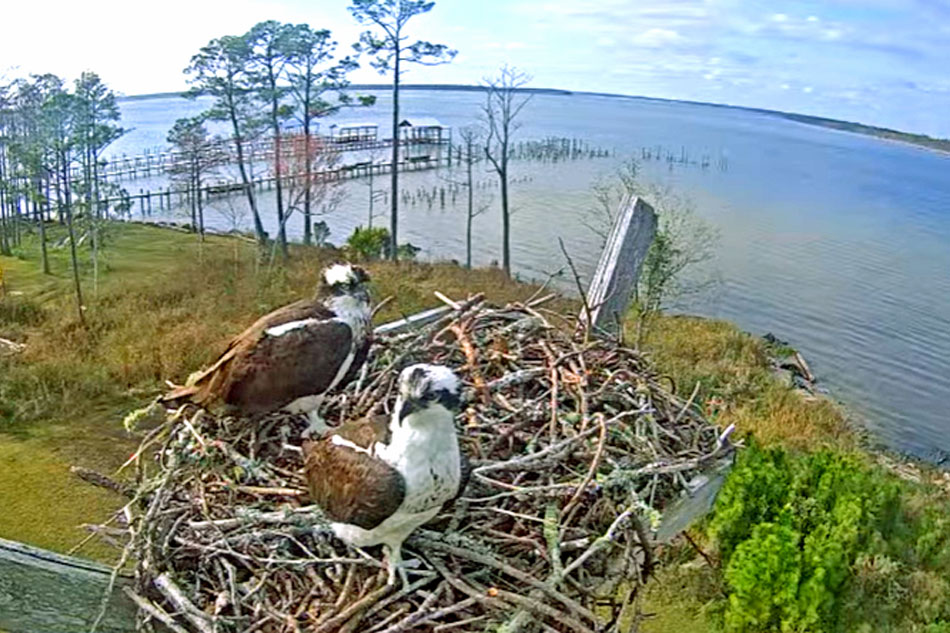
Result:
[{"x": 45, "y": 592}]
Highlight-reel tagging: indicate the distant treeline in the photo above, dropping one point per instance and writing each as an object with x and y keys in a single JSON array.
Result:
[
  {"x": 448, "y": 87},
  {"x": 941, "y": 144}
]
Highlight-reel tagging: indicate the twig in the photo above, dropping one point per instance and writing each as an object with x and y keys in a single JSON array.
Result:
[
  {"x": 153, "y": 610},
  {"x": 174, "y": 594},
  {"x": 580, "y": 286}
]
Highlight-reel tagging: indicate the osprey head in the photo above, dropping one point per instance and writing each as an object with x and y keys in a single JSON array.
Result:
[
  {"x": 344, "y": 279},
  {"x": 422, "y": 386}
]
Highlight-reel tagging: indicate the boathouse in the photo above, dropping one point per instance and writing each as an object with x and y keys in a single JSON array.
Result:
[
  {"x": 423, "y": 130},
  {"x": 353, "y": 132}
]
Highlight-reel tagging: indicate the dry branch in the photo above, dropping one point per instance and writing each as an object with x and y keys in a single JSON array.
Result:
[{"x": 575, "y": 445}]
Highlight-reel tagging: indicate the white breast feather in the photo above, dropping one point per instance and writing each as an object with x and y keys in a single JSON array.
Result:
[
  {"x": 426, "y": 454},
  {"x": 339, "y": 274}
]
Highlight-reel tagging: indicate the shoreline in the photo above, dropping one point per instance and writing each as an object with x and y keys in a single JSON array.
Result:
[{"x": 936, "y": 144}]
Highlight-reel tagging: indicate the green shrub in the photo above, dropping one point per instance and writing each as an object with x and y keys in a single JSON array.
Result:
[
  {"x": 790, "y": 532},
  {"x": 756, "y": 491},
  {"x": 764, "y": 573},
  {"x": 367, "y": 244}
]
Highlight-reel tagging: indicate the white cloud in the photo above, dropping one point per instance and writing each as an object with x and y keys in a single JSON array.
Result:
[{"x": 657, "y": 37}]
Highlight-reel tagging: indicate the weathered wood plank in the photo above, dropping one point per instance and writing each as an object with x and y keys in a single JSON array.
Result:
[
  {"x": 44, "y": 591},
  {"x": 414, "y": 320},
  {"x": 618, "y": 270}
]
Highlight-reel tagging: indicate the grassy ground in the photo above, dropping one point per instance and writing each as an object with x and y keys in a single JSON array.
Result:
[
  {"x": 164, "y": 306},
  {"x": 900, "y": 581}
]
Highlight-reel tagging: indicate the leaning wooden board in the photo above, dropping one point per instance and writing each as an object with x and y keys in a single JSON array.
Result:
[
  {"x": 615, "y": 280},
  {"x": 41, "y": 591}
]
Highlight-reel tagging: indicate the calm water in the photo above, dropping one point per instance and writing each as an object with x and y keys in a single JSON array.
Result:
[{"x": 836, "y": 242}]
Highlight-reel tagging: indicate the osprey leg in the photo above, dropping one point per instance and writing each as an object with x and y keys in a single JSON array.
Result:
[
  {"x": 395, "y": 564},
  {"x": 318, "y": 426}
]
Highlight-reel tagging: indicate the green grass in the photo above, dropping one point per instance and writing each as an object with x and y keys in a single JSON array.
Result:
[
  {"x": 165, "y": 306},
  {"x": 898, "y": 580},
  {"x": 736, "y": 384}
]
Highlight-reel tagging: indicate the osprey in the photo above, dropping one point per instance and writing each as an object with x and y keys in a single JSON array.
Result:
[
  {"x": 379, "y": 479},
  {"x": 291, "y": 357}
]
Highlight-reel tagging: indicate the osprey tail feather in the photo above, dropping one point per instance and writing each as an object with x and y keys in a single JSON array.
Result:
[{"x": 181, "y": 395}]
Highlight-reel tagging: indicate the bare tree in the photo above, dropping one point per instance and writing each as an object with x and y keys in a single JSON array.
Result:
[
  {"x": 198, "y": 154},
  {"x": 471, "y": 155},
  {"x": 608, "y": 191},
  {"x": 503, "y": 104},
  {"x": 306, "y": 160},
  {"x": 375, "y": 194},
  {"x": 389, "y": 47}
]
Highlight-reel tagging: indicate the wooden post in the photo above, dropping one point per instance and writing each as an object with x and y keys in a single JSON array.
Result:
[
  {"x": 45, "y": 591},
  {"x": 617, "y": 273}
]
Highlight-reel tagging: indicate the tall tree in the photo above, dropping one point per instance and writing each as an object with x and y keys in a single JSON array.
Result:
[
  {"x": 503, "y": 104},
  {"x": 267, "y": 59},
  {"x": 220, "y": 70},
  {"x": 31, "y": 148},
  {"x": 390, "y": 49},
  {"x": 317, "y": 85},
  {"x": 6, "y": 183},
  {"x": 97, "y": 127},
  {"x": 471, "y": 155},
  {"x": 59, "y": 117}
]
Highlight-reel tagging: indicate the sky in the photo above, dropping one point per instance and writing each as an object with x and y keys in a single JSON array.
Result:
[{"x": 881, "y": 62}]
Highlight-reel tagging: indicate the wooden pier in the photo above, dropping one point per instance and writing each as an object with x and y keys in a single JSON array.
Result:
[
  {"x": 157, "y": 163},
  {"x": 147, "y": 202}
]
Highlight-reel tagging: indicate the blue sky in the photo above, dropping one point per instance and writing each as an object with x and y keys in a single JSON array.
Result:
[{"x": 884, "y": 62}]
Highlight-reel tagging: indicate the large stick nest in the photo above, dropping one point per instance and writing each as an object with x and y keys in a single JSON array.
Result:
[{"x": 574, "y": 444}]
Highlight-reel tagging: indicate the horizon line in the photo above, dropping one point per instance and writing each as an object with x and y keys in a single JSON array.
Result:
[{"x": 811, "y": 119}]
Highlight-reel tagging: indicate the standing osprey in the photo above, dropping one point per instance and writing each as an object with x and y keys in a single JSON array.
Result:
[
  {"x": 291, "y": 357},
  {"x": 379, "y": 479}
]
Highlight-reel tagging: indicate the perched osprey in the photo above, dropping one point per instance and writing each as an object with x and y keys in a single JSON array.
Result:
[
  {"x": 378, "y": 480},
  {"x": 291, "y": 357}
]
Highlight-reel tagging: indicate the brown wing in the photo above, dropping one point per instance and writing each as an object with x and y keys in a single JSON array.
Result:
[
  {"x": 350, "y": 485},
  {"x": 259, "y": 373},
  {"x": 276, "y": 370},
  {"x": 296, "y": 311},
  {"x": 201, "y": 389}
]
